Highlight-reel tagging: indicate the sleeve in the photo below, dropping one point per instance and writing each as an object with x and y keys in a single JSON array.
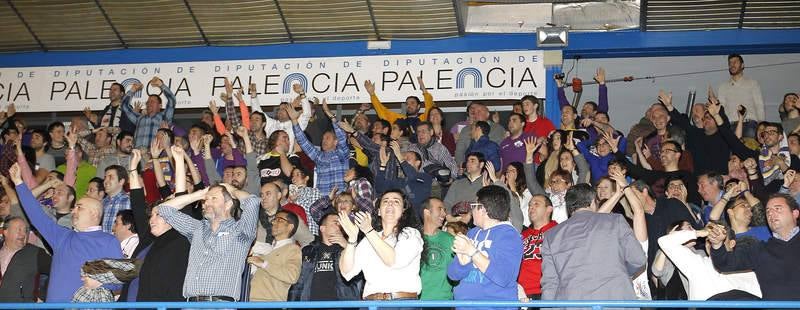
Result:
[
  {"x": 169, "y": 112},
  {"x": 247, "y": 223},
  {"x": 127, "y": 109},
  {"x": 679, "y": 119},
  {"x": 140, "y": 219},
  {"x": 184, "y": 224},
  {"x": 530, "y": 180},
  {"x": 245, "y": 114},
  {"x": 305, "y": 116},
  {"x": 683, "y": 258},
  {"x": 211, "y": 171},
  {"x": 562, "y": 98},
  {"x": 504, "y": 258},
  {"x": 50, "y": 231},
  {"x": 382, "y": 111},
  {"x": 341, "y": 136},
  {"x": 25, "y": 171},
  {"x": 549, "y": 279},
  {"x": 602, "y": 98},
  {"x": 70, "y": 175},
  {"x": 758, "y": 101},
  {"x": 320, "y": 207},
  {"x": 456, "y": 271},
  {"x": 742, "y": 257},
  {"x": 305, "y": 145},
  {"x": 367, "y": 144},
  {"x": 253, "y": 175},
  {"x": 218, "y": 124},
  {"x": 633, "y": 255},
  {"x": 286, "y": 269},
  {"x": 583, "y": 169},
  {"x": 408, "y": 248},
  {"x": 429, "y": 104},
  {"x": 736, "y": 145},
  {"x": 255, "y": 105}
]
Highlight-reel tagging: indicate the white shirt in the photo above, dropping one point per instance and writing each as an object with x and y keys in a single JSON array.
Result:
[
  {"x": 402, "y": 277},
  {"x": 744, "y": 92},
  {"x": 704, "y": 280},
  {"x": 129, "y": 245},
  {"x": 273, "y": 125}
]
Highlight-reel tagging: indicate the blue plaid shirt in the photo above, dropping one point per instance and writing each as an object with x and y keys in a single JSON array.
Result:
[
  {"x": 112, "y": 205},
  {"x": 330, "y": 165},
  {"x": 146, "y": 125},
  {"x": 216, "y": 258}
]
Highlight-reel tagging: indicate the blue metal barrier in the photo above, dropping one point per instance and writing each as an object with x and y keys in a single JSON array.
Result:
[{"x": 373, "y": 305}]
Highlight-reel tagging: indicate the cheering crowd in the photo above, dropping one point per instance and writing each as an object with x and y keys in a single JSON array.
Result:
[{"x": 302, "y": 204}]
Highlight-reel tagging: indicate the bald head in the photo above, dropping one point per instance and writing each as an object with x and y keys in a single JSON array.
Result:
[{"x": 88, "y": 212}]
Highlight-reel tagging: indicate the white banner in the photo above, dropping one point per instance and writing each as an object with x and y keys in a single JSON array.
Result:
[{"x": 462, "y": 76}]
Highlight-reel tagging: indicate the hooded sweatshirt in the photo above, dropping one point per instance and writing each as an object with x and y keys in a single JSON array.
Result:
[{"x": 503, "y": 246}]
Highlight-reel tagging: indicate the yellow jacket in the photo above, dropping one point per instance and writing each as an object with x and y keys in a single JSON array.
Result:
[{"x": 384, "y": 113}]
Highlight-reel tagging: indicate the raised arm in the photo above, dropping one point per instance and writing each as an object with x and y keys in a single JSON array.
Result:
[
  {"x": 127, "y": 109},
  {"x": 138, "y": 201},
  {"x": 169, "y": 112},
  {"x": 381, "y": 110},
  {"x": 50, "y": 231},
  {"x": 602, "y": 90},
  {"x": 531, "y": 145},
  {"x": 70, "y": 175},
  {"x": 208, "y": 161}
]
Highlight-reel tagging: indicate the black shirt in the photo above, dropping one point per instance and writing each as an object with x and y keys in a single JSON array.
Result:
[{"x": 323, "y": 281}]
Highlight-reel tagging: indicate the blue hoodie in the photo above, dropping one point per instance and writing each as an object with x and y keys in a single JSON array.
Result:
[{"x": 503, "y": 245}]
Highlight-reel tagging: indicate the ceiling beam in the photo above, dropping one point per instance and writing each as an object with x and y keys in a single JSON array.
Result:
[
  {"x": 643, "y": 15},
  {"x": 283, "y": 19},
  {"x": 741, "y": 14},
  {"x": 108, "y": 20},
  {"x": 459, "y": 9},
  {"x": 196, "y": 22},
  {"x": 27, "y": 26},
  {"x": 374, "y": 23}
]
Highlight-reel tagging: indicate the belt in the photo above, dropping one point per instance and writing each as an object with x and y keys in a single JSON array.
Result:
[
  {"x": 209, "y": 298},
  {"x": 390, "y": 296}
]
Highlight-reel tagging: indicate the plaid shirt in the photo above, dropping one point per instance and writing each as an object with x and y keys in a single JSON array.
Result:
[
  {"x": 216, "y": 259},
  {"x": 330, "y": 165},
  {"x": 232, "y": 113},
  {"x": 363, "y": 200},
  {"x": 435, "y": 154},
  {"x": 94, "y": 154},
  {"x": 112, "y": 205},
  {"x": 147, "y": 126},
  {"x": 259, "y": 145},
  {"x": 306, "y": 196}
]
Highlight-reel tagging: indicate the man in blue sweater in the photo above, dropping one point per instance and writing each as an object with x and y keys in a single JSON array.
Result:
[
  {"x": 487, "y": 258},
  {"x": 71, "y": 248},
  {"x": 774, "y": 261}
]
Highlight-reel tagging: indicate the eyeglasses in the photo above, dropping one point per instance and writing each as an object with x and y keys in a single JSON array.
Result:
[
  {"x": 556, "y": 181},
  {"x": 768, "y": 132},
  {"x": 670, "y": 150},
  {"x": 475, "y": 205},
  {"x": 278, "y": 218}
]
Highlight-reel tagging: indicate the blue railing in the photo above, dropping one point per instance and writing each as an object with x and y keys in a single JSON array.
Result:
[{"x": 373, "y": 305}]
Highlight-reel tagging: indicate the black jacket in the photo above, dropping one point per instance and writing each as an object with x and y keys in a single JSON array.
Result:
[
  {"x": 774, "y": 262},
  {"x": 20, "y": 277}
]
